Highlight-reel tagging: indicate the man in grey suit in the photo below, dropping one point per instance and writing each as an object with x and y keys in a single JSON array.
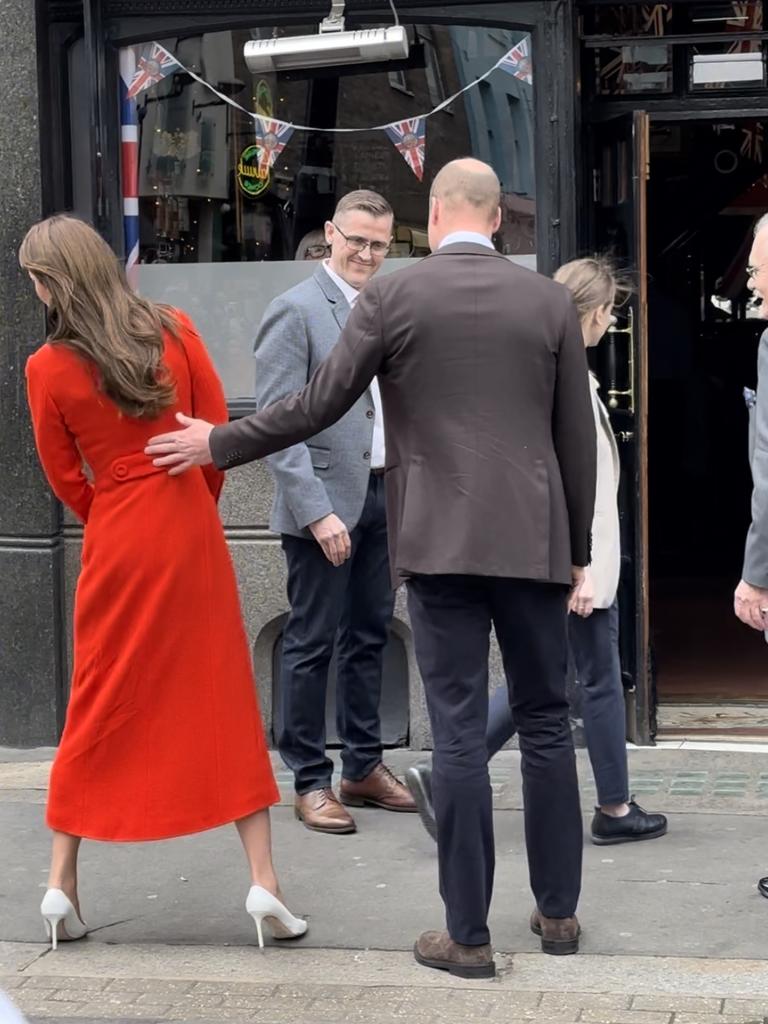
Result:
[
  {"x": 491, "y": 463},
  {"x": 330, "y": 514},
  {"x": 750, "y": 600}
]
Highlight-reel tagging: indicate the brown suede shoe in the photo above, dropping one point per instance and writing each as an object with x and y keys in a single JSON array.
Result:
[
  {"x": 379, "y": 788},
  {"x": 559, "y": 935},
  {"x": 321, "y": 811},
  {"x": 438, "y": 950}
]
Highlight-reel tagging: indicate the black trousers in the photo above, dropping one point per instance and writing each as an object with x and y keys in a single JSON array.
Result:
[
  {"x": 595, "y": 649},
  {"x": 452, "y": 618},
  {"x": 356, "y": 601}
]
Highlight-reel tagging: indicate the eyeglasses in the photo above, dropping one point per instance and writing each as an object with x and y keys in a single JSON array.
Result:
[
  {"x": 316, "y": 252},
  {"x": 357, "y": 244}
]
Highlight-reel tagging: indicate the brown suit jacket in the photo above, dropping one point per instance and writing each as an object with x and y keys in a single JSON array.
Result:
[{"x": 488, "y": 418}]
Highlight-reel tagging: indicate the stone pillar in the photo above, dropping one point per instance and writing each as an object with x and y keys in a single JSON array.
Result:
[{"x": 30, "y": 535}]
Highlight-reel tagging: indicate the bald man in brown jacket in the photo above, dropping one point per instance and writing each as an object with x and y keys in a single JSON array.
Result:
[{"x": 490, "y": 486}]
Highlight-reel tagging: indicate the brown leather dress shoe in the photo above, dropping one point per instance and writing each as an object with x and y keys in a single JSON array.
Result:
[
  {"x": 438, "y": 950},
  {"x": 559, "y": 935},
  {"x": 379, "y": 788},
  {"x": 321, "y": 811}
]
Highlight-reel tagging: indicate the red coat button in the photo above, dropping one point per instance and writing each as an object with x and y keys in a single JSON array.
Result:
[{"x": 121, "y": 470}]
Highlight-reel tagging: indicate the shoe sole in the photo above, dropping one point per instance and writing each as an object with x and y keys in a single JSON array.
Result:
[
  {"x": 365, "y": 802},
  {"x": 599, "y": 841},
  {"x": 457, "y": 970},
  {"x": 343, "y": 830},
  {"x": 558, "y": 947},
  {"x": 419, "y": 794}
]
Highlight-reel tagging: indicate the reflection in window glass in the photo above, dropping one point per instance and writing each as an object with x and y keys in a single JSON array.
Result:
[
  {"x": 669, "y": 19},
  {"x": 721, "y": 66},
  {"x": 203, "y": 202},
  {"x": 628, "y": 19},
  {"x": 640, "y": 68}
]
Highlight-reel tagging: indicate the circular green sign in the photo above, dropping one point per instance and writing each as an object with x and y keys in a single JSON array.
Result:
[{"x": 250, "y": 177}]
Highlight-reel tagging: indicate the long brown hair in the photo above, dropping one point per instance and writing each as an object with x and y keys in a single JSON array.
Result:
[{"x": 94, "y": 311}]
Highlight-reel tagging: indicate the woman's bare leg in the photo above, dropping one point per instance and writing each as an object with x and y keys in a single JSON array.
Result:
[
  {"x": 63, "y": 873},
  {"x": 256, "y": 837}
]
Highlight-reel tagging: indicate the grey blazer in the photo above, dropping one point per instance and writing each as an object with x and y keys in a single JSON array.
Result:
[
  {"x": 755, "y": 569},
  {"x": 330, "y": 471}
]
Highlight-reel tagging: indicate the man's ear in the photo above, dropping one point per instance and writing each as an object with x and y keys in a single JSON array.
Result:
[{"x": 328, "y": 229}]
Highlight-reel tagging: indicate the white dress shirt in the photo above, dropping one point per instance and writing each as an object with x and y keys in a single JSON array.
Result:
[{"x": 378, "y": 451}]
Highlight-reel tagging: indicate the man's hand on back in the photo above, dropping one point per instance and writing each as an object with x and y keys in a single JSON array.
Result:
[{"x": 332, "y": 536}]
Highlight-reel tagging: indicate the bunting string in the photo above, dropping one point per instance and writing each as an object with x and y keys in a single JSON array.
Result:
[
  {"x": 156, "y": 62},
  {"x": 142, "y": 68}
]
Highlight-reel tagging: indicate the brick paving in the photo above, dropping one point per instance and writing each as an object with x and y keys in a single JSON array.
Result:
[{"x": 61, "y": 998}]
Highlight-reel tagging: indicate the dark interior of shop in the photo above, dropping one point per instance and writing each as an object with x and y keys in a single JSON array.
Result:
[{"x": 707, "y": 186}]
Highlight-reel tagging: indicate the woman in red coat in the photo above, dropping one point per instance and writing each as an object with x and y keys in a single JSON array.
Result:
[{"x": 163, "y": 735}]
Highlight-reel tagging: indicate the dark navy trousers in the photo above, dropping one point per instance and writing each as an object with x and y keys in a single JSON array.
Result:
[
  {"x": 452, "y": 618},
  {"x": 353, "y": 602}
]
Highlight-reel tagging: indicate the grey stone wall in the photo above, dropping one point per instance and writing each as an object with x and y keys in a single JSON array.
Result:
[{"x": 30, "y": 548}]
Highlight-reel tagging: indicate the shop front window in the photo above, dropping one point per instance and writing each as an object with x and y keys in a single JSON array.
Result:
[{"x": 212, "y": 229}]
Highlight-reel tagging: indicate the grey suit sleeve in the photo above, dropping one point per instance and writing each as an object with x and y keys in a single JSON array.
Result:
[
  {"x": 755, "y": 569},
  {"x": 282, "y": 359},
  {"x": 334, "y": 388},
  {"x": 573, "y": 429}
]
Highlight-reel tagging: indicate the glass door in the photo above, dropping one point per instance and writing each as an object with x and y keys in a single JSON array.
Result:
[{"x": 620, "y": 164}]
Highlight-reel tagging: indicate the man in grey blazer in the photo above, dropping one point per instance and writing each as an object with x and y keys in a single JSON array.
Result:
[
  {"x": 750, "y": 601},
  {"x": 329, "y": 511}
]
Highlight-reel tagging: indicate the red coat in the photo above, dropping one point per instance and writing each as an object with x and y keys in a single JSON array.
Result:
[{"x": 163, "y": 735}]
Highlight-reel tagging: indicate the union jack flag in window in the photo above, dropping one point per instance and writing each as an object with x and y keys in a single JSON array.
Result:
[
  {"x": 518, "y": 62},
  {"x": 271, "y": 137},
  {"x": 410, "y": 140},
  {"x": 152, "y": 67}
]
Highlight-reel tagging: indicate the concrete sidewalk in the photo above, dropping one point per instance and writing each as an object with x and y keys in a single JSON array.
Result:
[{"x": 671, "y": 927}]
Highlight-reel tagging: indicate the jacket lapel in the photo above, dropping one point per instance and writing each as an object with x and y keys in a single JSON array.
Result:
[
  {"x": 337, "y": 302},
  {"x": 338, "y": 305}
]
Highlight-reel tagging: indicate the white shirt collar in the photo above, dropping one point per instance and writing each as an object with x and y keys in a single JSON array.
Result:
[
  {"x": 350, "y": 294},
  {"x": 467, "y": 236}
]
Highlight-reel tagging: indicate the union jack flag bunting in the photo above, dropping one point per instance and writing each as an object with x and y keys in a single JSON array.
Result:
[
  {"x": 518, "y": 62},
  {"x": 410, "y": 140},
  {"x": 153, "y": 65},
  {"x": 271, "y": 137}
]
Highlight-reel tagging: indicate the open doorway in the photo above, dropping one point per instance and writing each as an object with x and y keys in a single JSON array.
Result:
[{"x": 708, "y": 184}]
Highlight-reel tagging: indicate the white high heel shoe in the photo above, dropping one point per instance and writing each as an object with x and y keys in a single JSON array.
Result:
[
  {"x": 57, "y": 910},
  {"x": 263, "y": 906}
]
